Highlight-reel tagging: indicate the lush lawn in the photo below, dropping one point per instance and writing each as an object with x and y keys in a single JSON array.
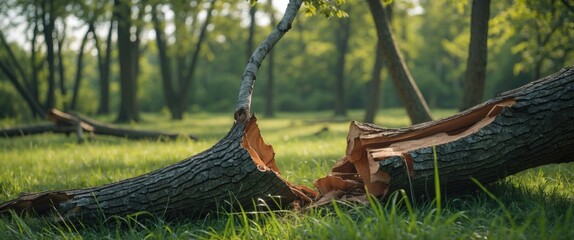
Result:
[{"x": 536, "y": 204}]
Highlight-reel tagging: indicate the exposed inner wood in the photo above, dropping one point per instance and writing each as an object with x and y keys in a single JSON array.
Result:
[
  {"x": 369, "y": 144},
  {"x": 441, "y": 134},
  {"x": 263, "y": 156}
]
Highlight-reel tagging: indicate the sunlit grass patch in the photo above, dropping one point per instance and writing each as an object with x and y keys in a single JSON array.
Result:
[{"x": 535, "y": 204}]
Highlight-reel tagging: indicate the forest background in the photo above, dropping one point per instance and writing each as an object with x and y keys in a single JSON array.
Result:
[{"x": 68, "y": 54}]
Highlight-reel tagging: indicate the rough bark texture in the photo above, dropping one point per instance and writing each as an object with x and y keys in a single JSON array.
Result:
[
  {"x": 239, "y": 170},
  {"x": 375, "y": 86},
  {"x": 521, "y": 129},
  {"x": 475, "y": 74},
  {"x": 128, "y": 52},
  {"x": 342, "y": 42},
  {"x": 407, "y": 90}
]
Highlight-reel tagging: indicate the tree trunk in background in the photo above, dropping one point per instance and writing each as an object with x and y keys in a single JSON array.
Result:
[
  {"x": 79, "y": 68},
  {"x": 128, "y": 58},
  {"x": 48, "y": 20},
  {"x": 176, "y": 100},
  {"x": 104, "y": 71},
  {"x": 475, "y": 75},
  {"x": 186, "y": 82},
  {"x": 269, "y": 93},
  {"x": 164, "y": 63},
  {"x": 374, "y": 89},
  {"x": 34, "y": 65},
  {"x": 408, "y": 91},
  {"x": 61, "y": 68},
  {"x": 375, "y": 86},
  {"x": 342, "y": 42}
]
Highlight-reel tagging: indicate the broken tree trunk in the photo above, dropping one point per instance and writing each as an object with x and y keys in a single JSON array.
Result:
[
  {"x": 238, "y": 170},
  {"x": 520, "y": 129}
]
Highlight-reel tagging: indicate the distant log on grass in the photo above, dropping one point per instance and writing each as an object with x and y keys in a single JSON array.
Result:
[
  {"x": 520, "y": 129},
  {"x": 76, "y": 123}
]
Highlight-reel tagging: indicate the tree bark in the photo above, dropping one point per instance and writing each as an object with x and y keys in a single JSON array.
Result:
[
  {"x": 239, "y": 170},
  {"x": 61, "y": 68},
  {"x": 104, "y": 70},
  {"x": 475, "y": 74},
  {"x": 243, "y": 106},
  {"x": 520, "y": 129},
  {"x": 375, "y": 86},
  {"x": 342, "y": 42},
  {"x": 128, "y": 51},
  {"x": 407, "y": 89},
  {"x": 48, "y": 20}
]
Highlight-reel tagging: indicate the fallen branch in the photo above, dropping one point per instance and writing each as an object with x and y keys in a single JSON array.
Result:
[{"x": 76, "y": 123}]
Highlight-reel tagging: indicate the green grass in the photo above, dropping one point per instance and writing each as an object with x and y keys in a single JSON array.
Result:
[{"x": 535, "y": 204}]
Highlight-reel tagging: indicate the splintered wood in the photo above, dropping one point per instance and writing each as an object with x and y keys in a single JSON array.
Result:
[
  {"x": 359, "y": 173},
  {"x": 263, "y": 156}
]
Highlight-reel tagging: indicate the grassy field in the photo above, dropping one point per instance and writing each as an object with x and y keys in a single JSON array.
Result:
[{"x": 536, "y": 204}]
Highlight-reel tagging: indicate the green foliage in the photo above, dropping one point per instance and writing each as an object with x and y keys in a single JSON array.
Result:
[
  {"x": 534, "y": 204},
  {"x": 540, "y": 33},
  {"x": 325, "y": 8},
  {"x": 432, "y": 35}
]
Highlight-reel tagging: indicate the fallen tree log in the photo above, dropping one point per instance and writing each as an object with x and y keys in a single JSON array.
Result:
[
  {"x": 238, "y": 170},
  {"x": 111, "y": 130},
  {"x": 520, "y": 129},
  {"x": 76, "y": 123}
]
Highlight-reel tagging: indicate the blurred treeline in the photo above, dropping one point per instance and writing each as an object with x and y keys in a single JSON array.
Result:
[{"x": 528, "y": 39}]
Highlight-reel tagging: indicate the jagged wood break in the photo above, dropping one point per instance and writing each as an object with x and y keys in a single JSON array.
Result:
[{"x": 520, "y": 129}]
